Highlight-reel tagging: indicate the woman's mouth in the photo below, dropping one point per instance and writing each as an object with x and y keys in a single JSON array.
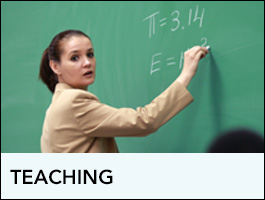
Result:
[{"x": 88, "y": 74}]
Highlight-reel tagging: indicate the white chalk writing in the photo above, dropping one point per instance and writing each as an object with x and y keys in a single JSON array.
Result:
[{"x": 176, "y": 21}]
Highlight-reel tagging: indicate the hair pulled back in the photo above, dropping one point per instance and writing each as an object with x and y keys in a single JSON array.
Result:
[{"x": 53, "y": 52}]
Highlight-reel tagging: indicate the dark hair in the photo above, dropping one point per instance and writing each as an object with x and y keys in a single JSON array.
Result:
[
  {"x": 240, "y": 140},
  {"x": 53, "y": 52}
]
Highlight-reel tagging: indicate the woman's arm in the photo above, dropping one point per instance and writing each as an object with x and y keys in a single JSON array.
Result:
[
  {"x": 191, "y": 60},
  {"x": 99, "y": 120}
]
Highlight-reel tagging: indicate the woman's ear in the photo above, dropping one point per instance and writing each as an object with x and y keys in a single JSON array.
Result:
[{"x": 55, "y": 67}]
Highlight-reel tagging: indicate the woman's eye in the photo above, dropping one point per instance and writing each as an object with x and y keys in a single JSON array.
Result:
[
  {"x": 74, "y": 58},
  {"x": 90, "y": 55}
]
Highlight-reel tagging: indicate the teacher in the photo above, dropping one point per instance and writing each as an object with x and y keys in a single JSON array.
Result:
[{"x": 77, "y": 122}]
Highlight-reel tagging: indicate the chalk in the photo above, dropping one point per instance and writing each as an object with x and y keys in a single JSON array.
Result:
[{"x": 208, "y": 47}]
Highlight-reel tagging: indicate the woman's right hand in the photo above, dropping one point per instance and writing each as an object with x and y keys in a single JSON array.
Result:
[{"x": 191, "y": 61}]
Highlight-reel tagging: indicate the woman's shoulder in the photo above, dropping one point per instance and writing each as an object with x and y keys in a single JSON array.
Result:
[{"x": 66, "y": 93}]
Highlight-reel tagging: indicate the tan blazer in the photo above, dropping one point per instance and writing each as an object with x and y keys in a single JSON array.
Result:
[{"x": 76, "y": 121}]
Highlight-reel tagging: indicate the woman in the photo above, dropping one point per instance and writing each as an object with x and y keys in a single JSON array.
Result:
[{"x": 76, "y": 121}]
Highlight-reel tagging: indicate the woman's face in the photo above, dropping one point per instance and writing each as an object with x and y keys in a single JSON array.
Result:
[{"x": 78, "y": 63}]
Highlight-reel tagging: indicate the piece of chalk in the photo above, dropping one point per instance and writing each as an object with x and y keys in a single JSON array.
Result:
[{"x": 208, "y": 47}]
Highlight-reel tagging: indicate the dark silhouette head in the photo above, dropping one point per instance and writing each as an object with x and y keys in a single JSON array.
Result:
[{"x": 238, "y": 141}]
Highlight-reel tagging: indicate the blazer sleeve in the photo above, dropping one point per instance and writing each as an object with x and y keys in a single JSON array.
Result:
[{"x": 96, "y": 119}]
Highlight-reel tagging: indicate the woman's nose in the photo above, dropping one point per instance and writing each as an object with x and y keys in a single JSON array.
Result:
[{"x": 87, "y": 63}]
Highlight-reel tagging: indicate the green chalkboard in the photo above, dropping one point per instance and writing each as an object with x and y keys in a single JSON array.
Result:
[{"x": 139, "y": 50}]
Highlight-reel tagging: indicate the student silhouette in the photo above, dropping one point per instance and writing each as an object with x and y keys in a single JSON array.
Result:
[{"x": 238, "y": 140}]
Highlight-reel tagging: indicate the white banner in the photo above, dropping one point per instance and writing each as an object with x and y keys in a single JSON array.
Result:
[{"x": 140, "y": 176}]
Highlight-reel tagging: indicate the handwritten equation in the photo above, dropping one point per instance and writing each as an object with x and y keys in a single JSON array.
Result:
[
  {"x": 174, "y": 18},
  {"x": 177, "y": 21},
  {"x": 157, "y": 58}
]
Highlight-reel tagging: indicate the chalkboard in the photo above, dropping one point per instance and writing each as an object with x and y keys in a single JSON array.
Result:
[{"x": 139, "y": 50}]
